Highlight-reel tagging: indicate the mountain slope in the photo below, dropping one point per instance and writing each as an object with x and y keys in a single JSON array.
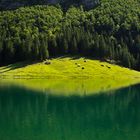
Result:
[{"x": 110, "y": 31}]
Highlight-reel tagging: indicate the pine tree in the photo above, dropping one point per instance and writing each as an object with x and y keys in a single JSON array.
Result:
[
  {"x": 65, "y": 46},
  {"x": 35, "y": 48},
  {"x": 1, "y": 49},
  {"x": 96, "y": 46},
  {"x": 1, "y": 46},
  {"x": 85, "y": 45},
  {"x": 126, "y": 58},
  {"x": 53, "y": 47},
  {"x": 102, "y": 48},
  {"x": 8, "y": 51},
  {"x": 43, "y": 48},
  {"x": 28, "y": 47},
  {"x": 73, "y": 48}
]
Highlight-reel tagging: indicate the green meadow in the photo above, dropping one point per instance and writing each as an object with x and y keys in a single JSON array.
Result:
[{"x": 67, "y": 75}]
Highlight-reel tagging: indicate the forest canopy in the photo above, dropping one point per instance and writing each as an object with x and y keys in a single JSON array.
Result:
[{"x": 109, "y": 31}]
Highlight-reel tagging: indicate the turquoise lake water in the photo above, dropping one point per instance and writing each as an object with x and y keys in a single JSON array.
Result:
[{"x": 29, "y": 115}]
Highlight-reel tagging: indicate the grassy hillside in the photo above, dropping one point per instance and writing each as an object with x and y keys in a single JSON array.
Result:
[
  {"x": 66, "y": 75},
  {"x": 68, "y": 68}
]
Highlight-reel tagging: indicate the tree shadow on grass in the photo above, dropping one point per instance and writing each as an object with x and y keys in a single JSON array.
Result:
[
  {"x": 15, "y": 66},
  {"x": 71, "y": 57},
  {"x": 74, "y": 57}
]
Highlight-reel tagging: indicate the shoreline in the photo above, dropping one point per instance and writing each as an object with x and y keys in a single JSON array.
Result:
[
  {"x": 66, "y": 87},
  {"x": 66, "y": 75}
]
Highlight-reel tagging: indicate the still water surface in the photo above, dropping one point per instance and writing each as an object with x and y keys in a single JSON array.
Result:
[{"x": 30, "y": 115}]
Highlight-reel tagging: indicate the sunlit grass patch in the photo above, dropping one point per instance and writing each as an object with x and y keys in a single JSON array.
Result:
[
  {"x": 68, "y": 75},
  {"x": 69, "y": 68}
]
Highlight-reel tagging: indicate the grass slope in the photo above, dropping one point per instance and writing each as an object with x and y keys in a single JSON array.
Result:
[
  {"x": 67, "y": 68},
  {"x": 66, "y": 75}
]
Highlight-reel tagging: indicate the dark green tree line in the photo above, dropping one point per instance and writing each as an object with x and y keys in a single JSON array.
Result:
[{"x": 109, "y": 32}]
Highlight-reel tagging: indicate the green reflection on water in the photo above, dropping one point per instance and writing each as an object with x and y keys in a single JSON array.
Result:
[{"x": 29, "y": 115}]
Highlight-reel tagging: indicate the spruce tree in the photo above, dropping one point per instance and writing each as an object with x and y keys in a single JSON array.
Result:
[
  {"x": 35, "y": 48},
  {"x": 65, "y": 46},
  {"x": 73, "y": 48},
  {"x": 102, "y": 49},
  {"x": 43, "y": 48},
  {"x": 1, "y": 49},
  {"x": 8, "y": 51},
  {"x": 28, "y": 47}
]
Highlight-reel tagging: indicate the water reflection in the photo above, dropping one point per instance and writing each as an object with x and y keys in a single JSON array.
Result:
[
  {"x": 65, "y": 87},
  {"x": 29, "y": 115}
]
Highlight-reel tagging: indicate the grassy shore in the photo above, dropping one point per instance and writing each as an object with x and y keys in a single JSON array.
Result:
[
  {"x": 62, "y": 68},
  {"x": 69, "y": 75}
]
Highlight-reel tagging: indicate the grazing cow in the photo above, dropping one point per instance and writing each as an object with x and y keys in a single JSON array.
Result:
[
  {"x": 108, "y": 67},
  {"x": 47, "y": 63}
]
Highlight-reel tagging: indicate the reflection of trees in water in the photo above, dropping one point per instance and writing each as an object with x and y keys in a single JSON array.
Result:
[{"x": 26, "y": 115}]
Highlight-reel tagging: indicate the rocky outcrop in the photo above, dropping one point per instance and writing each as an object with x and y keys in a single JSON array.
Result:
[{"x": 13, "y": 4}]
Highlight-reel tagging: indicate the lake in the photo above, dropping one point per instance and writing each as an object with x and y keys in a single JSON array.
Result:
[{"x": 27, "y": 114}]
